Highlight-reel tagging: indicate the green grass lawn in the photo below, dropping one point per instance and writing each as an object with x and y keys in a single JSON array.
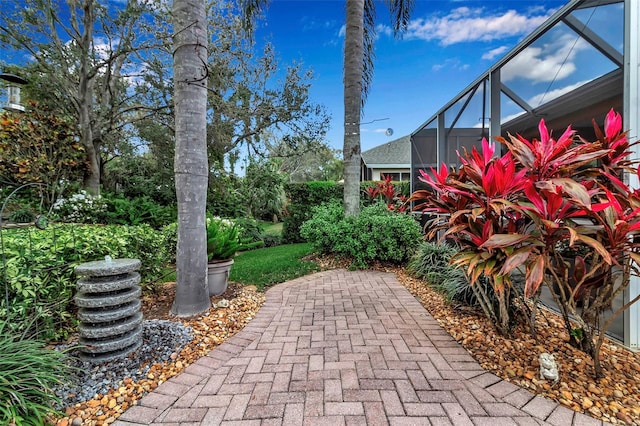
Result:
[
  {"x": 271, "y": 265},
  {"x": 271, "y": 228}
]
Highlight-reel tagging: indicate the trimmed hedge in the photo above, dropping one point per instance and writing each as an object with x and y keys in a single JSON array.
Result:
[
  {"x": 37, "y": 270},
  {"x": 302, "y": 198}
]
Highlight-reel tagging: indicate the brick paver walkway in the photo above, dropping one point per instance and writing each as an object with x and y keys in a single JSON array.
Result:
[{"x": 337, "y": 348}]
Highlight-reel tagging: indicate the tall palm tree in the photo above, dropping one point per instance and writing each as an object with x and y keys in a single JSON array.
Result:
[
  {"x": 358, "y": 73},
  {"x": 190, "y": 73}
]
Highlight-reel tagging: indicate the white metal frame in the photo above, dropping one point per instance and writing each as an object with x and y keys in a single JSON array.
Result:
[
  {"x": 629, "y": 62},
  {"x": 631, "y": 117}
]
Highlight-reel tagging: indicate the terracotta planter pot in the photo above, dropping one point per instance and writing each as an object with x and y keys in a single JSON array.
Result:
[{"x": 218, "y": 276}]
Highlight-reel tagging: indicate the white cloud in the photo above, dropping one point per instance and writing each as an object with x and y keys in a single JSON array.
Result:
[
  {"x": 553, "y": 61},
  {"x": 465, "y": 24},
  {"x": 451, "y": 63},
  {"x": 494, "y": 52},
  {"x": 342, "y": 31},
  {"x": 538, "y": 100}
]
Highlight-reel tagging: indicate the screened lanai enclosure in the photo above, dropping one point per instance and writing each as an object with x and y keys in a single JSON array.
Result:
[{"x": 579, "y": 64}]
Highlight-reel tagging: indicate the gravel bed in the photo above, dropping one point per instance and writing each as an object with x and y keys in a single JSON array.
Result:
[{"x": 161, "y": 341}]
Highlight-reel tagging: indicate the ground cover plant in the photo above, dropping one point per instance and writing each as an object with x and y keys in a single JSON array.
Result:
[
  {"x": 28, "y": 373},
  {"x": 521, "y": 210},
  {"x": 432, "y": 263}
]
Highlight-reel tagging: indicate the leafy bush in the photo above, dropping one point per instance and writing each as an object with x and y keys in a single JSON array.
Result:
[
  {"x": 432, "y": 264},
  {"x": 22, "y": 215},
  {"x": 302, "y": 198},
  {"x": 39, "y": 147},
  {"x": 38, "y": 269},
  {"x": 110, "y": 209},
  {"x": 136, "y": 211},
  {"x": 28, "y": 372},
  {"x": 81, "y": 207},
  {"x": 511, "y": 211},
  {"x": 250, "y": 229},
  {"x": 377, "y": 234},
  {"x": 170, "y": 237},
  {"x": 271, "y": 240}
]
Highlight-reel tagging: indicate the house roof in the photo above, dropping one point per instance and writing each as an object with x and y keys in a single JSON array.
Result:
[{"x": 396, "y": 153}]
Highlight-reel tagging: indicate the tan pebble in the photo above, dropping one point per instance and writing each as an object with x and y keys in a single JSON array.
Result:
[
  {"x": 567, "y": 395},
  {"x": 76, "y": 422},
  {"x": 595, "y": 411},
  {"x": 593, "y": 389},
  {"x": 120, "y": 399},
  {"x": 109, "y": 420},
  {"x": 618, "y": 393},
  {"x": 565, "y": 402},
  {"x": 624, "y": 417},
  {"x": 615, "y": 406},
  {"x": 63, "y": 422},
  {"x": 112, "y": 403},
  {"x": 93, "y": 403},
  {"x": 586, "y": 403}
]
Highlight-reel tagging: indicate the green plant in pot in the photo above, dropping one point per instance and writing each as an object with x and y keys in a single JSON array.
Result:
[{"x": 223, "y": 242}]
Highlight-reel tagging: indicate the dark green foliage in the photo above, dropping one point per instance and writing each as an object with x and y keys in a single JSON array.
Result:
[
  {"x": 377, "y": 234},
  {"x": 223, "y": 197},
  {"x": 28, "y": 372},
  {"x": 136, "y": 211},
  {"x": 431, "y": 263},
  {"x": 22, "y": 215},
  {"x": 37, "y": 270},
  {"x": 302, "y": 198},
  {"x": 250, "y": 229},
  {"x": 271, "y": 240},
  {"x": 147, "y": 175},
  {"x": 170, "y": 237}
]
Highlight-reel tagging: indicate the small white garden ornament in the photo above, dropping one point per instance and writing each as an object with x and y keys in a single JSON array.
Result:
[{"x": 548, "y": 367}]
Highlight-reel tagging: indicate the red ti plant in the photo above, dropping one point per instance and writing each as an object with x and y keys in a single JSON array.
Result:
[
  {"x": 386, "y": 190},
  {"x": 527, "y": 209}
]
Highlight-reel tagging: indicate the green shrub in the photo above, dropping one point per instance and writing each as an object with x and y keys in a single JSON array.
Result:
[
  {"x": 28, "y": 373},
  {"x": 80, "y": 207},
  {"x": 22, "y": 215},
  {"x": 431, "y": 263},
  {"x": 302, "y": 198},
  {"x": 38, "y": 269},
  {"x": 170, "y": 238},
  {"x": 250, "y": 229},
  {"x": 271, "y": 240},
  {"x": 375, "y": 235},
  {"x": 135, "y": 211}
]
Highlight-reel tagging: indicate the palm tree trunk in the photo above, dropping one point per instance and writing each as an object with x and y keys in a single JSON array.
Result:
[
  {"x": 191, "y": 165},
  {"x": 353, "y": 76}
]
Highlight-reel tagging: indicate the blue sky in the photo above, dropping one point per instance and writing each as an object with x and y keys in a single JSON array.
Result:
[{"x": 448, "y": 45}]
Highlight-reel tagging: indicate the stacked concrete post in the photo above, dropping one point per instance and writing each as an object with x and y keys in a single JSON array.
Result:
[{"x": 108, "y": 299}]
